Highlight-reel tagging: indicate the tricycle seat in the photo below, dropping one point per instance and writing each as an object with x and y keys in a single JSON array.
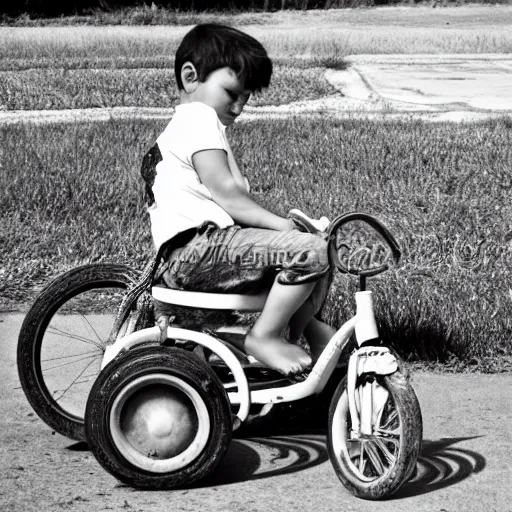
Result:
[{"x": 209, "y": 300}]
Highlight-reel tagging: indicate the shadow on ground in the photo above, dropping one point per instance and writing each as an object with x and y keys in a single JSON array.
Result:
[
  {"x": 257, "y": 458},
  {"x": 441, "y": 464}
]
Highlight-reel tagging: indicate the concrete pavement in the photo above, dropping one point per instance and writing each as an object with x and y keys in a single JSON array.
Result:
[{"x": 471, "y": 86}]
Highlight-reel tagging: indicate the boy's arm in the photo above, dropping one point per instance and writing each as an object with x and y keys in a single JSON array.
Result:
[
  {"x": 214, "y": 172},
  {"x": 235, "y": 170}
]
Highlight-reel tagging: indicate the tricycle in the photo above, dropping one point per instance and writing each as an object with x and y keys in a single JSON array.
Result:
[{"x": 158, "y": 393}]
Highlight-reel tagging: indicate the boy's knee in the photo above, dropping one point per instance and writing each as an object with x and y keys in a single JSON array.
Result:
[{"x": 310, "y": 263}]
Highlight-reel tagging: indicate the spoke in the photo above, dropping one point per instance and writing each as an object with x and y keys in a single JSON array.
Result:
[
  {"x": 92, "y": 328},
  {"x": 74, "y": 381},
  {"x": 67, "y": 357},
  {"x": 362, "y": 460},
  {"x": 374, "y": 458},
  {"x": 59, "y": 332},
  {"x": 383, "y": 448},
  {"x": 391, "y": 418},
  {"x": 87, "y": 379},
  {"x": 92, "y": 375},
  {"x": 395, "y": 433},
  {"x": 72, "y": 362}
]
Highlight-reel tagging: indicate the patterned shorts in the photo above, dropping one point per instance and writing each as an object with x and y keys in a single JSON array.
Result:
[{"x": 244, "y": 260}]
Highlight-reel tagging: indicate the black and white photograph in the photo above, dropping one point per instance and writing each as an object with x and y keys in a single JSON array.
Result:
[{"x": 256, "y": 255}]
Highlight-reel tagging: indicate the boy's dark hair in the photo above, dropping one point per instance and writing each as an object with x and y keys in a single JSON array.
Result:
[{"x": 210, "y": 47}]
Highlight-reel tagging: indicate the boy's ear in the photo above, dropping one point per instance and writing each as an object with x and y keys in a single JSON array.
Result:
[{"x": 189, "y": 77}]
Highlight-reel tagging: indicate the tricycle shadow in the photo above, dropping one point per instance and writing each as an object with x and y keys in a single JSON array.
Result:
[
  {"x": 290, "y": 450},
  {"x": 255, "y": 458},
  {"x": 440, "y": 464},
  {"x": 292, "y": 438}
]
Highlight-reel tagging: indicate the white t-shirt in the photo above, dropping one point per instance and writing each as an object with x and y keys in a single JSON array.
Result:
[{"x": 181, "y": 200}]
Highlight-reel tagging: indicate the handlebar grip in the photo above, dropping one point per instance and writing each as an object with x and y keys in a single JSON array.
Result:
[{"x": 307, "y": 223}]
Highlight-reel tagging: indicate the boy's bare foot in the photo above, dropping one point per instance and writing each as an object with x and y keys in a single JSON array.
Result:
[{"x": 277, "y": 353}]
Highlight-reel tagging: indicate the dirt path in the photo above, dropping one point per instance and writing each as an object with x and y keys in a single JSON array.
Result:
[{"x": 464, "y": 464}]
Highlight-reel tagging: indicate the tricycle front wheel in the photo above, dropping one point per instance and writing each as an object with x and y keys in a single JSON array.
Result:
[{"x": 373, "y": 466}]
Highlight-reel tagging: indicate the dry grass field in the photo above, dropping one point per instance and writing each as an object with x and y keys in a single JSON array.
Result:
[
  {"x": 70, "y": 193},
  {"x": 320, "y": 34}
]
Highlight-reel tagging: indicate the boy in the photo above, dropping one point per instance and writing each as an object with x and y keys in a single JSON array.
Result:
[{"x": 220, "y": 239}]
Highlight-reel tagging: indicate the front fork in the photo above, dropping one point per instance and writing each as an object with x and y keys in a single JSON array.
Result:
[{"x": 367, "y": 400}]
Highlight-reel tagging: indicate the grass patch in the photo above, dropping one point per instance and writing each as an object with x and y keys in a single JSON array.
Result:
[
  {"x": 314, "y": 35},
  {"x": 68, "y": 63},
  {"x": 147, "y": 62},
  {"x": 140, "y": 15},
  {"x": 442, "y": 189},
  {"x": 37, "y": 89},
  {"x": 145, "y": 15}
]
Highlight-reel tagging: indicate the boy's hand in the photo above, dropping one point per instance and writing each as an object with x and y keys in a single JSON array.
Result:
[
  {"x": 291, "y": 225},
  {"x": 307, "y": 223}
]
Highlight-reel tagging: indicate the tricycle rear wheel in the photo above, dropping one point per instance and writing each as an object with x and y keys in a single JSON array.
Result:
[
  {"x": 63, "y": 338},
  {"x": 158, "y": 418}
]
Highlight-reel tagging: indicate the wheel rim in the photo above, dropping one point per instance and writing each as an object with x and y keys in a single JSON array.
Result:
[
  {"x": 368, "y": 457},
  {"x": 71, "y": 347},
  {"x": 159, "y": 423}
]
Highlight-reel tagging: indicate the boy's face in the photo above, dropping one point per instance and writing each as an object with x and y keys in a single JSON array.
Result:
[{"x": 223, "y": 91}]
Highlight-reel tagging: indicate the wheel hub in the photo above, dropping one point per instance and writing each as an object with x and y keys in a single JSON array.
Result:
[{"x": 159, "y": 422}]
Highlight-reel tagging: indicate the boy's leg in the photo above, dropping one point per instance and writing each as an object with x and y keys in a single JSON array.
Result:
[
  {"x": 235, "y": 259},
  {"x": 317, "y": 333},
  {"x": 300, "y": 320},
  {"x": 265, "y": 341},
  {"x": 296, "y": 308}
]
